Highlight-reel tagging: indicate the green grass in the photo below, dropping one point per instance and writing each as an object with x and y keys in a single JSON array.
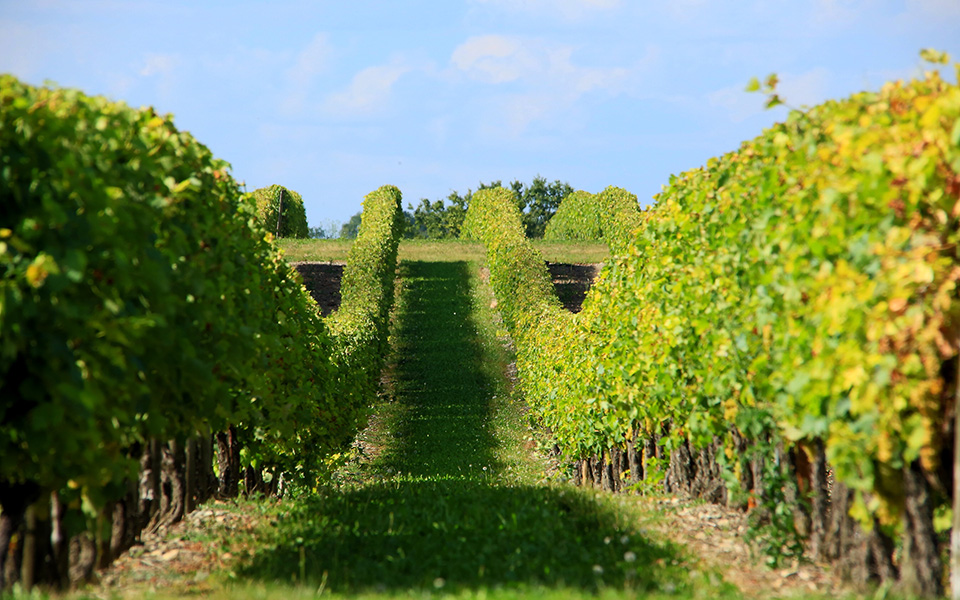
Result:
[
  {"x": 453, "y": 504},
  {"x": 442, "y": 250},
  {"x": 299, "y": 250}
]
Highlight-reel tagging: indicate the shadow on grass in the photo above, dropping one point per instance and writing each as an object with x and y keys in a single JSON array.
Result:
[
  {"x": 446, "y": 518},
  {"x": 442, "y": 376},
  {"x": 461, "y": 534}
]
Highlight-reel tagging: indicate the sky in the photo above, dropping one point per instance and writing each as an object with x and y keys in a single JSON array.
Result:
[{"x": 333, "y": 99}]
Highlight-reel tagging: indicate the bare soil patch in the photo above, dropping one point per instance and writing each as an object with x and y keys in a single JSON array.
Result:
[
  {"x": 714, "y": 534},
  {"x": 323, "y": 282},
  {"x": 572, "y": 282},
  {"x": 179, "y": 559}
]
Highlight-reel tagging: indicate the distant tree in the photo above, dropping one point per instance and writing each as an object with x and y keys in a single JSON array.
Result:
[
  {"x": 409, "y": 224},
  {"x": 352, "y": 227},
  {"x": 538, "y": 202},
  {"x": 428, "y": 219},
  {"x": 444, "y": 218},
  {"x": 330, "y": 230}
]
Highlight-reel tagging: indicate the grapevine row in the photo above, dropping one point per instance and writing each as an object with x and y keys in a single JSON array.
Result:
[
  {"x": 145, "y": 314},
  {"x": 786, "y": 312}
]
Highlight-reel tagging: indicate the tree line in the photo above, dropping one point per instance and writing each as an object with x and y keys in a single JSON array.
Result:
[{"x": 443, "y": 219}]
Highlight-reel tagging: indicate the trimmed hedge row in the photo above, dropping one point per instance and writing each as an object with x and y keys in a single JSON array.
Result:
[
  {"x": 577, "y": 218},
  {"x": 611, "y": 216},
  {"x": 141, "y": 302},
  {"x": 360, "y": 326},
  {"x": 281, "y": 211},
  {"x": 788, "y": 310},
  {"x": 541, "y": 330}
]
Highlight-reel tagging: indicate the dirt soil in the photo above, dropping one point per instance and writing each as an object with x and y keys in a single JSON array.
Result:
[
  {"x": 323, "y": 281},
  {"x": 572, "y": 282},
  {"x": 714, "y": 534},
  {"x": 178, "y": 559}
]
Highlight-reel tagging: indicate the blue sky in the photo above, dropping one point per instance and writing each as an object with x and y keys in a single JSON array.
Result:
[{"x": 334, "y": 99}]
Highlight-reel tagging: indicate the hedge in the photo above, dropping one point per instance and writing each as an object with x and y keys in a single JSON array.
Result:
[
  {"x": 281, "y": 211},
  {"x": 142, "y": 309},
  {"x": 788, "y": 310}
]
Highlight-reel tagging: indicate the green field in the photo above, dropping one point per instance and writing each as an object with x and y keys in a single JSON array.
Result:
[{"x": 443, "y": 250}]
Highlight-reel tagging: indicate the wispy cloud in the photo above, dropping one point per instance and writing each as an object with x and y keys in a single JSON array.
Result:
[
  {"x": 499, "y": 59},
  {"x": 369, "y": 92},
  {"x": 495, "y": 59},
  {"x": 543, "y": 79},
  {"x": 738, "y": 104},
  {"x": 806, "y": 89},
  {"x": 19, "y": 47},
  {"x": 949, "y": 9},
  {"x": 157, "y": 64},
  {"x": 309, "y": 62},
  {"x": 161, "y": 69},
  {"x": 566, "y": 9}
]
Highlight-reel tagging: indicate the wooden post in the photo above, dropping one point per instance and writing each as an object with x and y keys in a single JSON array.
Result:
[
  {"x": 955, "y": 532},
  {"x": 280, "y": 212},
  {"x": 190, "y": 476},
  {"x": 28, "y": 568}
]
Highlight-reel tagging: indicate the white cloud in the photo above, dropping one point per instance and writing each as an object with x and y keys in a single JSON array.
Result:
[
  {"x": 499, "y": 59},
  {"x": 838, "y": 12},
  {"x": 947, "y": 9},
  {"x": 22, "y": 55},
  {"x": 806, "y": 89},
  {"x": 158, "y": 67},
  {"x": 685, "y": 9},
  {"x": 523, "y": 109},
  {"x": 566, "y": 9},
  {"x": 739, "y": 104},
  {"x": 157, "y": 64},
  {"x": 495, "y": 59},
  {"x": 311, "y": 61},
  {"x": 543, "y": 80},
  {"x": 368, "y": 92}
]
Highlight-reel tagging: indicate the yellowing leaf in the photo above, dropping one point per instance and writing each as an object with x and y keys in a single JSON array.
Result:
[
  {"x": 36, "y": 275},
  {"x": 897, "y": 305},
  {"x": 854, "y": 376},
  {"x": 935, "y": 56},
  {"x": 923, "y": 273}
]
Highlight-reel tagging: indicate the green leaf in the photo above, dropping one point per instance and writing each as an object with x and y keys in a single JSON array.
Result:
[
  {"x": 753, "y": 85},
  {"x": 934, "y": 56}
]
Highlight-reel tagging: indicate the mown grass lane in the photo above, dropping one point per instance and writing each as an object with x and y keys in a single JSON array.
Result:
[{"x": 452, "y": 503}]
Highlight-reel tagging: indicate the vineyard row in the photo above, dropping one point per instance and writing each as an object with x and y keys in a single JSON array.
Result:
[
  {"x": 155, "y": 348},
  {"x": 778, "y": 332}
]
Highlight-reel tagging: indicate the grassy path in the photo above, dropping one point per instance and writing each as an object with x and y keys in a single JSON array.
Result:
[{"x": 451, "y": 504}]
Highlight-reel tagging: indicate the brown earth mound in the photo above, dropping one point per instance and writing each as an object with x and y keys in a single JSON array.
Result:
[
  {"x": 572, "y": 282},
  {"x": 323, "y": 281}
]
